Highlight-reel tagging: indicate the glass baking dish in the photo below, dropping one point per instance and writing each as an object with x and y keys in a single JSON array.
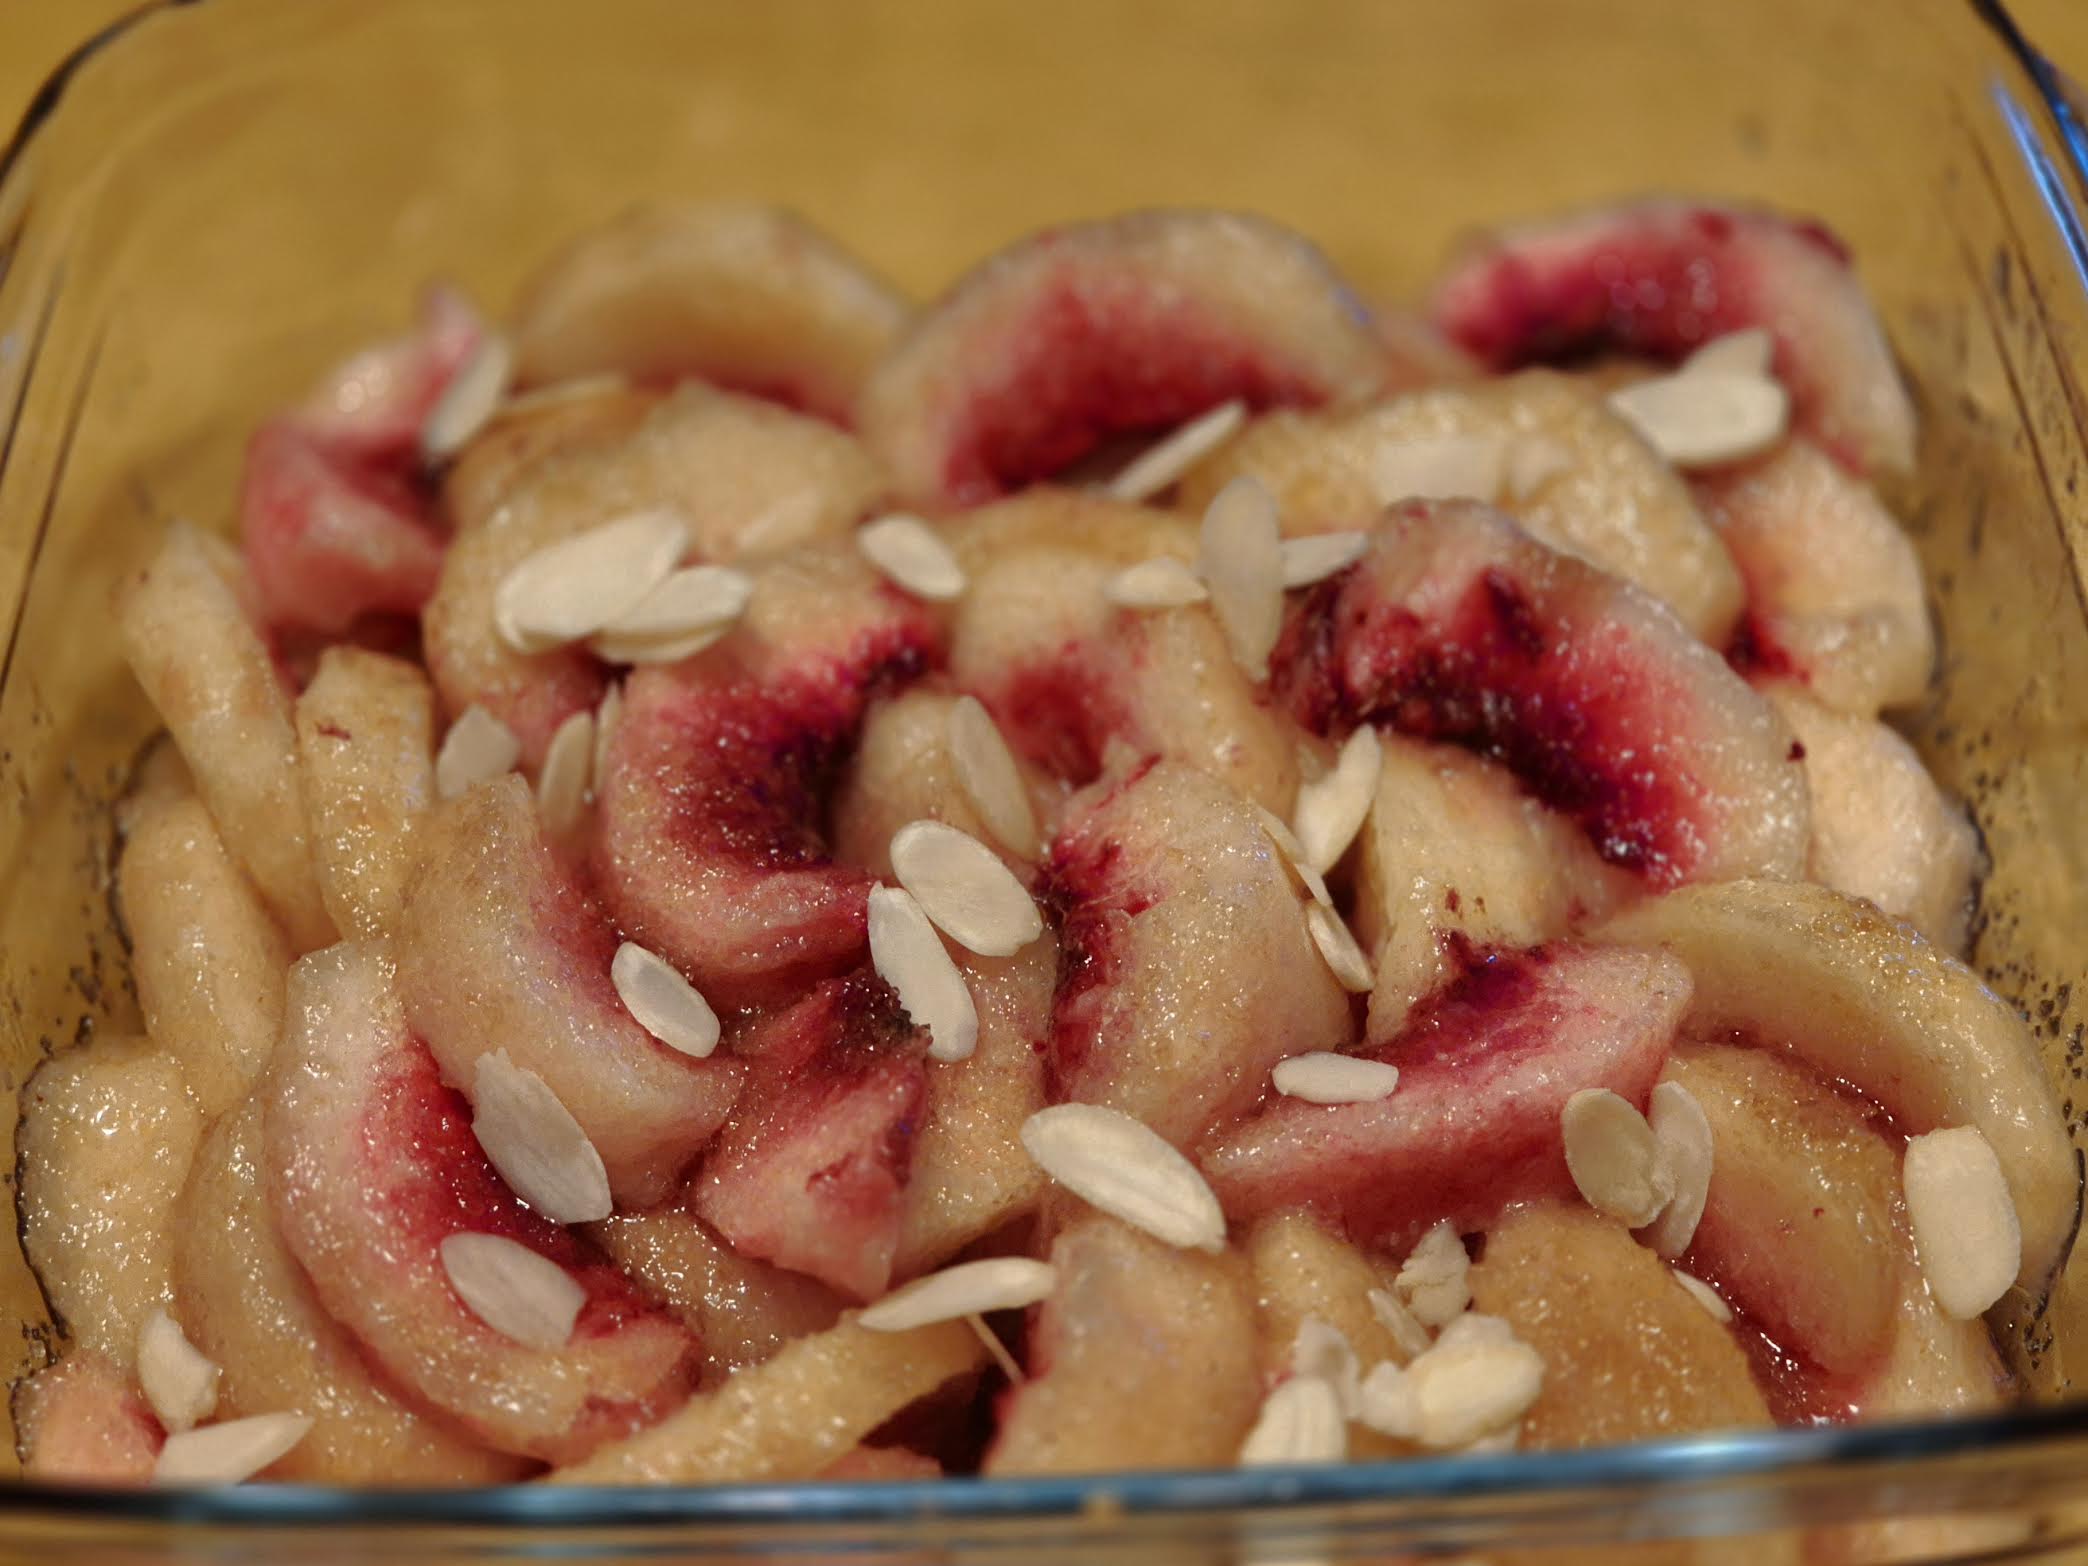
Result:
[{"x": 216, "y": 199}]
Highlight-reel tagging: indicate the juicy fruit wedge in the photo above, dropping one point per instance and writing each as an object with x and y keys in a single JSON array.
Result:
[
  {"x": 1628, "y": 1355},
  {"x": 1862, "y": 999},
  {"x": 1485, "y": 1068},
  {"x": 525, "y": 439},
  {"x": 1156, "y": 872},
  {"x": 1660, "y": 278},
  {"x": 902, "y": 771},
  {"x": 708, "y": 852},
  {"x": 371, "y": 1165},
  {"x": 1127, "y": 326},
  {"x": 80, "y": 1421},
  {"x": 500, "y": 947},
  {"x": 372, "y": 405},
  {"x": 745, "y": 296},
  {"x": 1143, "y": 1357},
  {"x": 1302, "y": 1269},
  {"x": 1459, "y": 626}
]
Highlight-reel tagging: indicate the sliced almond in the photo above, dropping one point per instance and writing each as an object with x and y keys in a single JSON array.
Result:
[
  {"x": 1331, "y": 810},
  {"x": 177, "y": 1379},
  {"x": 1344, "y": 958},
  {"x": 664, "y": 1003},
  {"x": 1474, "y": 1381},
  {"x": 607, "y": 715},
  {"x": 1402, "y": 1324},
  {"x": 467, "y": 404},
  {"x": 1160, "y": 465},
  {"x": 687, "y": 612},
  {"x": 1323, "y": 1077},
  {"x": 965, "y": 888},
  {"x": 1702, "y": 1292},
  {"x": 1160, "y": 583},
  {"x": 1442, "y": 467},
  {"x": 1613, "y": 1157},
  {"x": 988, "y": 774},
  {"x": 1317, "y": 556},
  {"x": 512, "y": 1289},
  {"x": 1533, "y": 462},
  {"x": 968, "y": 1289},
  {"x": 1966, "y": 1233},
  {"x": 478, "y": 747},
  {"x": 1240, "y": 558},
  {"x": 1122, "y": 1166},
  {"x": 229, "y": 1452},
  {"x": 535, "y": 1144},
  {"x": 910, "y": 957},
  {"x": 1301, "y": 1421},
  {"x": 1705, "y": 418},
  {"x": 912, "y": 555},
  {"x": 1293, "y": 853},
  {"x": 571, "y": 589},
  {"x": 1749, "y": 351},
  {"x": 1323, "y": 1350},
  {"x": 1684, "y": 1136},
  {"x": 568, "y": 770},
  {"x": 1435, "y": 1279}
]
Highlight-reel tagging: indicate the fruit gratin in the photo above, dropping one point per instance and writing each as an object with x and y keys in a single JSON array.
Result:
[{"x": 1139, "y": 866}]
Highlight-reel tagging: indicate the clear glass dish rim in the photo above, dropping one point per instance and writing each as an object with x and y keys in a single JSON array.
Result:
[{"x": 1697, "y": 1461}]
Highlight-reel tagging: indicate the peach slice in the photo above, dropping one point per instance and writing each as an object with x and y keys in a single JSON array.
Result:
[
  {"x": 1125, "y": 326},
  {"x": 1863, "y": 999},
  {"x": 1459, "y": 626},
  {"x": 1600, "y": 492},
  {"x": 883, "y": 1465},
  {"x": 709, "y": 850},
  {"x": 1834, "y": 588},
  {"x": 811, "y": 1172},
  {"x": 370, "y": 1165},
  {"x": 1156, "y": 871},
  {"x": 500, "y": 947},
  {"x": 525, "y": 439},
  {"x": 80, "y": 1421},
  {"x": 1143, "y": 1357},
  {"x": 745, "y": 296},
  {"x": 246, "y": 1304},
  {"x": 106, "y": 1139},
  {"x": 1660, "y": 278},
  {"x": 1302, "y": 1269},
  {"x": 373, "y": 404},
  {"x": 1486, "y": 1065}
]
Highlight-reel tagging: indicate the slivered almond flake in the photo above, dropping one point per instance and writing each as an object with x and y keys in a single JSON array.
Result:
[
  {"x": 1613, "y": 1157},
  {"x": 568, "y": 769},
  {"x": 664, "y": 1003},
  {"x": 1317, "y": 556},
  {"x": 1441, "y": 467},
  {"x": 535, "y": 1143},
  {"x": 1749, "y": 351},
  {"x": 912, "y": 555},
  {"x": 1160, "y": 465},
  {"x": 1122, "y": 1166},
  {"x": 477, "y": 747},
  {"x": 607, "y": 715},
  {"x": 1301, "y": 1421},
  {"x": 1966, "y": 1233},
  {"x": 1706, "y": 417},
  {"x": 1323, "y": 1077},
  {"x": 1321, "y": 1349},
  {"x": 991, "y": 780},
  {"x": 1476, "y": 1380},
  {"x": 910, "y": 957},
  {"x": 1160, "y": 583},
  {"x": 573, "y": 588},
  {"x": 229, "y": 1452},
  {"x": 1240, "y": 558},
  {"x": 968, "y": 1289},
  {"x": 1292, "y": 853},
  {"x": 1702, "y": 1292},
  {"x": 1684, "y": 1137},
  {"x": 467, "y": 404},
  {"x": 1401, "y": 1324},
  {"x": 688, "y": 611},
  {"x": 1435, "y": 1279},
  {"x": 1533, "y": 462},
  {"x": 512, "y": 1289},
  {"x": 1331, "y": 810},
  {"x": 963, "y": 886},
  {"x": 1344, "y": 958},
  {"x": 177, "y": 1380}
]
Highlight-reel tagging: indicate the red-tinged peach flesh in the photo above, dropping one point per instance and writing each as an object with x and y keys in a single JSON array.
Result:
[
  {"x": 372, "y": 406},
  {"x": 81, "y": 1421}
]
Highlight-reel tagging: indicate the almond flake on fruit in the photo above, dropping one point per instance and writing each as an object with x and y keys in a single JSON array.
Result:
[
  {"x": 1705, "y": 418},
  {"x": 1476, "y": 1380},
  {"x": 664, "y": 1003},
  {"x": 1160, "y": 465},
  {"x": 1331, "y": 810},
  {"x": 535, "y": 1144},
  {"x": 1966, "y": 1233},
  {"x": 1160, "y": 583},
  {"x": 1533, "y": 462},
  {"x": 467, "y": 404},
  {"x": 968, "y": 1289},
  {"x": 1292, "y": 853},
  {"x": 988, "y": 774},
  {"x": 1702, "y": 1292},
  {"x": 1400, "y": 1324},
  {"x": 1323, "y": 1077},
  {"x": 913, "y": 556},
  {"x": 229, "y": 1452},
  {"x": 1684, "y": 1138},
  {"x": 1119, "y": 1164},
  {"x": 573, "y": 588},
  {"x": 512, "y": 1289},
  {"x": 478, "y": 747},
  {"x": 1749, "y": 351},
  {"x": 910, "y": 957},
  {"x": 177, "y": 1379},
  {"x": 1435, "y": 1279},
  {"x": 1344, "y": 958},
  {"x": 1439, "y": 467},
  {"x": 1321, "y": 1349},
  {"x": 1317, "y": 556},
  {"x": 1240, "y": 558},
  {"x": 607, "y": 715},
  {"x": 965, "y": 888},
  {"x": 687, "y": 612},
  {"x": 1301, "y": 1421},
  {"x": 1613, "y": 1157},
  {"x": 568, "y": 769}
]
